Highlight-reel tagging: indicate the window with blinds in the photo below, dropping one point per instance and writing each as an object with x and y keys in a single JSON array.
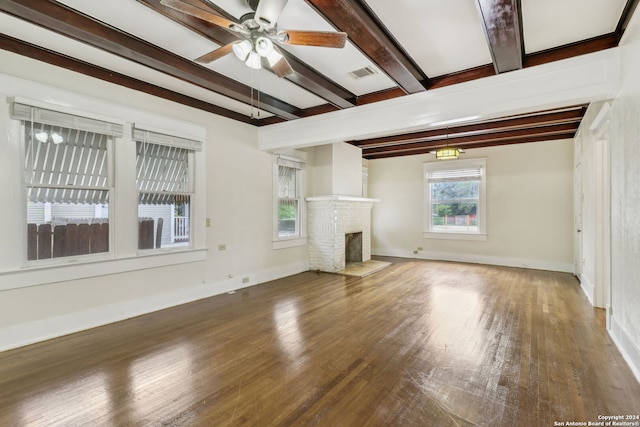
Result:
[
  {"x": 67, "y": 175},
  {"x": 165, "y": 184},
  {"x": 289, "y": 197},
  {"x": 454, "y": 194}
]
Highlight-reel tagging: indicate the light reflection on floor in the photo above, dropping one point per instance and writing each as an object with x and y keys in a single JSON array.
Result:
[
  {"x": 457, "y": 335},
  {"x": 60, "y": 403},
  {"x": 167, "y": 371},
  {"x": 285, "y": 315}
]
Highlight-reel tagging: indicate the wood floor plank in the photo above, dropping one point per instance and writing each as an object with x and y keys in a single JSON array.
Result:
[{"x": 419, "y": 343}]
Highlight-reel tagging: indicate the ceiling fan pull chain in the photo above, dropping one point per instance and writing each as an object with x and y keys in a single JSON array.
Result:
[
  {"x": 252, "y": 116},
  {"x": 258, "y": 98}
]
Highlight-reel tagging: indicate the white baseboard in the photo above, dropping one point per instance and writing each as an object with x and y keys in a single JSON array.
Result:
[
  {"x": 587, "y": 287},
  {"x": 630, "y": 352},
  {"x": 477, "y": 259},
  {"x": 31, "y": 332}
]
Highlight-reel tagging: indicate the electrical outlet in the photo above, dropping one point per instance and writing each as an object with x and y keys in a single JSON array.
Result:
[
  {"x": 208, "y": 222},
  {"x": 222, "y": 247},
  {"x": 245, "y": 280}
]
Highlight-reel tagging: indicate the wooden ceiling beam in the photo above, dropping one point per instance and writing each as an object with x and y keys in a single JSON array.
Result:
[
  {"x": 380, "y": 96},
  {"x": 304, "y": 76},
  {"x": 584, "y": 47},
  {"x": 627, "y": 13},
  {"x": 20, "y": 47},
  {"x": 64, "y": 20},
  {"x": 503, "y": 30},
  {"x": 571, "y": 115},
  {"x": 492, "y": 143},
  {"x": 463, "y": 76},
  {"x": 368, "y": 35},
  {"x": 471, "y": 141}
]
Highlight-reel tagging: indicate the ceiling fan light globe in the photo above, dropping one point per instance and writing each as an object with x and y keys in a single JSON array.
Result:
[
  {"x": 273, "y": 58},
  {"x": 264, "y": 46},
  {"x": 254, "y": 61},
  {"x": 242, "y": 49}
]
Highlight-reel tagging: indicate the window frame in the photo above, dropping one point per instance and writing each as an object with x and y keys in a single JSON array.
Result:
[
  {"x": 75, "y": 121},
  {"x": 300, "y": 238},
  {"x": 141, "y": 135},
  {"x": 444, "y": 165}
]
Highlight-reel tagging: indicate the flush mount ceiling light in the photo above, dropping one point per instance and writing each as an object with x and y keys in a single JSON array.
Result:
[{"x": 448, "y": 153}]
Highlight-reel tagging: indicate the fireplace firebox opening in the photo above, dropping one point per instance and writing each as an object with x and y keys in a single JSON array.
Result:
[{"x": 353, "y": 248}]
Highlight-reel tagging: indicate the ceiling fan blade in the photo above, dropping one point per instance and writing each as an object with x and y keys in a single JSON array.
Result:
[
  {"x": 268, "y": 12},
  {"x": 216, "y": 54},
  {"x": 218, "y": 20},
  {"x": 312, "y": 38},
  {"x": 282, "y": 68}
]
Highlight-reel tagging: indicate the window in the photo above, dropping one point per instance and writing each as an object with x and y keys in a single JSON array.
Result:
[
  {"x": 164, "y": 180},
  {"x": 70, "y": 170},
  {"x": 67, "y": 175},
  {"x": 455, "y": 199},
  {"x": 289, "y": 204}
]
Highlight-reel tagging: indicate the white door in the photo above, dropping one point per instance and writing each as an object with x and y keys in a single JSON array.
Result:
[{"x": 578, "y": 197}]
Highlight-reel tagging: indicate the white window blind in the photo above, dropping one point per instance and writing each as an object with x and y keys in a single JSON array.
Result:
[
  {"x": 452, "y": 175},
  {"x": 163, "y": 167},
  {"x": 66, "y": 156},
  {"x": 28, "y": 113},
  {"x": 290, "y": 162},
  {"x": 167, "y": 140},
  {"x": 72, "y": 171}
]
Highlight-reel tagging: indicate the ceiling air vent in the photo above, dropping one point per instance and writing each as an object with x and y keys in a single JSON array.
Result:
[{"x": 362, "y": 73}]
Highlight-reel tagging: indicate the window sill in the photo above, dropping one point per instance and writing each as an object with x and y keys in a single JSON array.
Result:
[
  {"x": 478, "y": 237},
  {"x": 289, "y": 243},
  {"x": 78, "y": 268}
]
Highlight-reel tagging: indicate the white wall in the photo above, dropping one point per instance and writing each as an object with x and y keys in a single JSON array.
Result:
[
  {"x": 347, "y": 170},
  {"x": 529, "y": 208},
  {"x": 336, "y": 169},
  {"x": 238, "y": 182},
  {"x": 625, "y": 200}
]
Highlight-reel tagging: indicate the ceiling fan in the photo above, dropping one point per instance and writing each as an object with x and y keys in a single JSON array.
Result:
[{"x": 258, "y": 35}]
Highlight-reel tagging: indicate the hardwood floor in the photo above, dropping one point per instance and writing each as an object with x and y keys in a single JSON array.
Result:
[{"x": 418, "y": 344}]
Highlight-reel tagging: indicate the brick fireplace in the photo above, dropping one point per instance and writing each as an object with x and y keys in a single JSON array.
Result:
[{"x": 330, "y": 219}]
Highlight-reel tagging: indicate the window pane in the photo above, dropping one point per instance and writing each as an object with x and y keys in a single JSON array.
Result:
[
  {"x": 287, "y": 182},
  {"x": 67, "y": 229},
  {"x": 457, "y": 190},
  {"x": 163, "y": 225},
  {"x": 66, "y": 172},
  {"x": 161, "y": 168},
  {"x": 63, "y": 157},
  {"x": 287, "y": 217},
  {"x": 454, "y": 206},
  {"x": 163, "y": 176}
]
